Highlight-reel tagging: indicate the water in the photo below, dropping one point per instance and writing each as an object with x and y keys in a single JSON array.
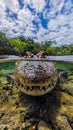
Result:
[
  {"x": 65, "y": 58},
  {"x": 15, "y": 107},
  {"x": 8, "y": 56},
  {"x": 68, "y": 58}
]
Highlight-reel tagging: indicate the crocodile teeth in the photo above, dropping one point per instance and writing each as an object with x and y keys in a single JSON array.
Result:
[
  {"x": 46, "y": 87},
  {"x": 27, "y": 88},
  {"x": 49, "y": 86},
  {"x": 39, "y": 88},
  {"x": 43, "y": 88},
  {"x": 31, "y": 88}
]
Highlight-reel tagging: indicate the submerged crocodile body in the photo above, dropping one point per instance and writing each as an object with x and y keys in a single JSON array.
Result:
[{"x": 36, "y": 78}]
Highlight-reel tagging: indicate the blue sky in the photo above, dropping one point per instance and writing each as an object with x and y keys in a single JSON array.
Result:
[{"x": 39, "y": 19}]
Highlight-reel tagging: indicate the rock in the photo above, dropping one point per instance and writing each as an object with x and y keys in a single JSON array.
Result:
[
  {"x": 68, "y": 86},
  {"x": 44, "y": 126},
  {"x": 0, "y": 83},
  {"x": 10, "y": 78},
  {"x": 63, "y": 76},
  {"x": 62, "y": 123}
]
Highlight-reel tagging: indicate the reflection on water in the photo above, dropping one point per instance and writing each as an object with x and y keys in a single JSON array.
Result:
[
  {"x": 8, "y": 56},
  {"x": 66, "y": 57},
  {"x": 3, "y": 57}
]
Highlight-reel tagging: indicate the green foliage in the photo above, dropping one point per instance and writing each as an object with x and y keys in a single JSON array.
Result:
[
  {"x": 21, "y": 44},
  {"x": 18, "y": 44},
  {"x": 5, "y": 46}
]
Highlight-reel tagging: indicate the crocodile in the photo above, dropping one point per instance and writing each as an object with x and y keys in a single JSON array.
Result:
[
  {"x": 49, "y": 107},
  {"x": 36, "y": 78}
]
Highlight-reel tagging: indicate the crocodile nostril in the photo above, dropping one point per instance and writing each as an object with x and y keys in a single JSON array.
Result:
[{"x": 34, "y": 79}]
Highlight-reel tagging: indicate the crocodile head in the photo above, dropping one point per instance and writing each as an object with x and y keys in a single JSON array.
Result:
[{"x": 35, "y": 78}]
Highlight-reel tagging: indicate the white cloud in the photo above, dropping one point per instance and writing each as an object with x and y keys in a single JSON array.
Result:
[
  {"x": 52, "y": 25},
  {"x": 59, "y": 20},
  {"x": 40, "y": 34},
  {"x": 56, "y": 6},
  {"x": 59, "y": 25},
  {"x": 2, "y": 5},
  {"x": 38, "y": 5},
  {"x": 13, "y": 5},
  {"x": 25, "y": 16},
  {"x": 68, "y": 5}
]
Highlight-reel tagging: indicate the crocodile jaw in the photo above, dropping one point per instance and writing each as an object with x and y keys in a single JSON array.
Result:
[{"x": 37, "y": 89}]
